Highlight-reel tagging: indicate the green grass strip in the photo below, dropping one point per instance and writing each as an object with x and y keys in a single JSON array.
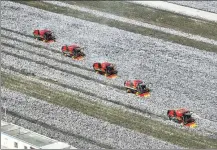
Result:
[
  {"x": 153, "y": 16},
  {"x": 122, "y": 25},
  {"x": 113, "y": 115}
]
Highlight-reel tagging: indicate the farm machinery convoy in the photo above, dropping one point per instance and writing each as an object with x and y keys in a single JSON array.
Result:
[{"x": 137, "y": 87}]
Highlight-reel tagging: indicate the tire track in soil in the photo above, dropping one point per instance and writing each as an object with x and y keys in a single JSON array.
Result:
[
  {"x": 32, "y": 44},
  {"x": 47, "y": 126},
  {"x": 31, "y": 36},
  {"x": 74, "y": 65},
  {"x": 47, "y": 49},
  {"x": 60, "y": 69},
  {"x": 127, "y": 106}
]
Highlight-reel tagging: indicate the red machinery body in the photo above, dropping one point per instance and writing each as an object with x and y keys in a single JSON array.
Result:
[
  {"x": 105, "y": 68},
  {"x": 73, "y": 51},
  {"x": 132, "y": 84},
  {"x": 44, "y": 35},
  {"x": 137, "y": 87},
  {"x": 182, "y": 116}
]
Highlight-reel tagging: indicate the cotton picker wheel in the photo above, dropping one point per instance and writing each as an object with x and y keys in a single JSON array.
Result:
[{"x": 65, "y": 54}]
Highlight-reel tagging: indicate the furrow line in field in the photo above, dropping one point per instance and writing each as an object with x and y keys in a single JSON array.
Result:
[
  {"x": 127, "y": 106},
  {"x": 49, "y": 50},
  {"x": 57, "y": 68},
  {"x": 47, "y": 126}
]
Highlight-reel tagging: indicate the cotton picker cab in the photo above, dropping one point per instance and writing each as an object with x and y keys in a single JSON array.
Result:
[
  {"x": 182, "y": 116},
  {"x": 44, "y": 35},
  {"x": 73, "y": 51},
  {"x": 137, "y": 87},
  {"x": 105, "y": 68}
]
